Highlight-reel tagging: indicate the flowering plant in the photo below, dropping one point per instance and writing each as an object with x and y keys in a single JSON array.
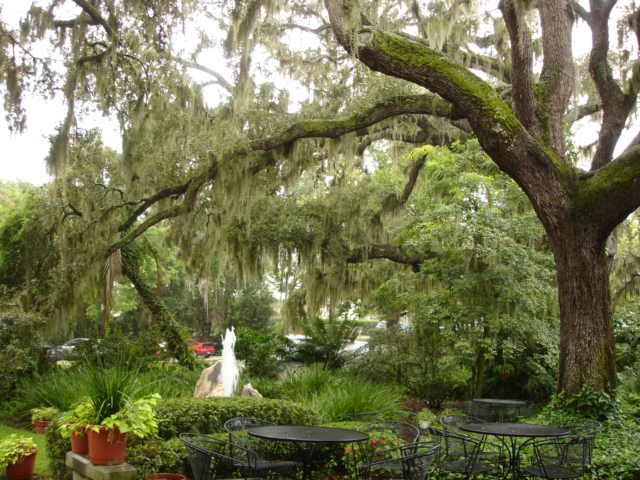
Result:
[{"x": 381, "y": 444}]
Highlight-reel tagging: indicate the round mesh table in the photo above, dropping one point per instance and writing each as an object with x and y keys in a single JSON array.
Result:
[
  {"x": 306, "y": 437},
  {"x": 509, "y": 433}
]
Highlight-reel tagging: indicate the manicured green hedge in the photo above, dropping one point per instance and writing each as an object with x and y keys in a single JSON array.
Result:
[
  {"x": 177, "y": 415},
  {"x": 207, "y": 415}
]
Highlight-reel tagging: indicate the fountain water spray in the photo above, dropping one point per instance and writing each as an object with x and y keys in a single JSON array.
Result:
[{"x": 229, "y": 371}]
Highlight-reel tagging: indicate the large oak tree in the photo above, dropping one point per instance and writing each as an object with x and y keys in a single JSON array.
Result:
[{"x": 414, "y": 71}]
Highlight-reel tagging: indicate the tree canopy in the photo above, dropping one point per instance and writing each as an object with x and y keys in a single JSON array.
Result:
[{"x": 313, "y": 89}]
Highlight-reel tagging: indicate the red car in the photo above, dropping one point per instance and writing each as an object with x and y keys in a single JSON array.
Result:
[{"x": 206, "y": 349}]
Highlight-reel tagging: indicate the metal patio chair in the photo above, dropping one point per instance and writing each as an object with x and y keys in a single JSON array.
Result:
[
  {"x": 412, "y": 461},
  {"x": 565, "y": 457},
  {"x": 211, "y": 458}
]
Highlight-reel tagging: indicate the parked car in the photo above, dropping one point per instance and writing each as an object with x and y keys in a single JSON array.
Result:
[
  {"x": 62, "y": 351},
  {"x": 206, "y": 349}
]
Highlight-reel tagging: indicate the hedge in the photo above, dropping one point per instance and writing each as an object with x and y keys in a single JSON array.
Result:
[{"x": 177, "y": 415}]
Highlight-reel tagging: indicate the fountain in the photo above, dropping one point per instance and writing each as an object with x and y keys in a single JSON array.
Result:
[
  {"x": 229, "y": 371},
  {"x": 221, "y": 378}
]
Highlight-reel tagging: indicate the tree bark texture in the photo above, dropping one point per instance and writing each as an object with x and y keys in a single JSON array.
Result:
[{"x": 586, "y": 329}]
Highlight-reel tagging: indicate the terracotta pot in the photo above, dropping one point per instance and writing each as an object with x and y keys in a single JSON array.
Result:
[
  {"x": 40, "y": 426},
  {"x": 23, "y": 469},
  {"x": 165, "y": 476},
  {"x": 107, "y": 447},
  {"x": 80, "y": 443}
]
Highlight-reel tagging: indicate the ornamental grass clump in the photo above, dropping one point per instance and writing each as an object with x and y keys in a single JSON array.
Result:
[{"x": 111, "y": 403}]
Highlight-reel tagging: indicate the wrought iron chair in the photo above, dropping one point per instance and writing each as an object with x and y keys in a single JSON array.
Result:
[
  {"x": 565, "y": 457},
  {"x": 411, "y": 460},
  {"x": 465, "y": 455},
  {"x": 585, "y": 430},
  {"x": 451, "y": 423},
  {"x": 408, "y": 432},
  {"x": 237, "y": 427},
  {"x": 211, "y": 458}
]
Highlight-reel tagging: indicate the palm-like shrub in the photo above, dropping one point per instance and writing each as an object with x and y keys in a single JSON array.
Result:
[
  {"x": 326, "y": 339},
  {"x": 352, "y": 395}
]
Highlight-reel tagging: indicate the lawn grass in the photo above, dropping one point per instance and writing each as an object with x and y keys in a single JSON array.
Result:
[{"x": 42, "y": 459}]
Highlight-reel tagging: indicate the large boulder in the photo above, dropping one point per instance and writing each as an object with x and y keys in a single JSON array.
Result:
[
  {"x": 249, "y": 391},
  {"x": 210, "y": 382}
]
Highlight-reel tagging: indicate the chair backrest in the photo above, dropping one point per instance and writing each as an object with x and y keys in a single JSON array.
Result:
[
  {"x": 462, "y": 447},
  {"x": 208, "y": 455},
  {"x": 237, "y": 430},
  {"x": 452, "y": 422},
  {"x": 406, "y": 431},
  {"x": 417, "y": 459},
  {"x": 568, "y": 454},
  {"x": 242, "y": 423}
]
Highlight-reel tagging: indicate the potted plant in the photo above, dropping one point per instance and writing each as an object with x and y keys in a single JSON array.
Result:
[
  {"x": 73, "y": 424},
  {"x": 41, "y": 418},
  {"x": 18, "y": 455}
]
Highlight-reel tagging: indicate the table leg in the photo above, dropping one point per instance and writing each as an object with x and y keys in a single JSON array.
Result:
[{"x": 510, "y": 444}]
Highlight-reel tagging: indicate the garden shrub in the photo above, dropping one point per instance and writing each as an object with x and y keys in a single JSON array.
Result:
[
  {"x": 260, "y": 351},
  {"x": 21, "y": 350},
  {"x": 587, "y": 403},
  {"x": 57, "y": 448},
  {"x": 158, "y": 456},
  {"x": 325, "y": 341},
  {"x": 62, "y": 387},
  {"x": 353, "y": 395}
]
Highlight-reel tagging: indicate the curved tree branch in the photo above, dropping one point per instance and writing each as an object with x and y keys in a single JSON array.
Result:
[
  {"x": 522, "y": 62},
  {"x": 619, "y": 183},
  {"x": 389, "y": 252},
  {"x": 615, "y": 107}
]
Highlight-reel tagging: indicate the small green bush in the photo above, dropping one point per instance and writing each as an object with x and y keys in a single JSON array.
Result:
[
  {"x": 260, "y": 351},
  {"x": 325, "y": 341},
  {"x": 301, "y": 384},
  {"x": 353, "y": 395},
  {"x": 57, "y": 448},
  {"x": 21, "y": 349},
  {"x": 158, "y": 456}
]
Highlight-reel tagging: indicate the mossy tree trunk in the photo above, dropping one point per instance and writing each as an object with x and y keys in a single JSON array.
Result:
[
  {"x": 161, "y": 316},
  {"x": 586, "y": 330}
]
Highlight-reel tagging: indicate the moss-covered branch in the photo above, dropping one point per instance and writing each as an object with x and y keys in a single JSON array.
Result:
[
  {"x": 393, "y": 253},
  {"x": 619, "y": 183},
  {"x": 391, "y": 107},
  {"x": 131, "y": 258}
]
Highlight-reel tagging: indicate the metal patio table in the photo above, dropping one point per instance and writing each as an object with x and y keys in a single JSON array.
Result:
[
  {"x": 509, "y": 433},
  {"x": 306, "y": 438},
  {"x": 498, "y": 406}
]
